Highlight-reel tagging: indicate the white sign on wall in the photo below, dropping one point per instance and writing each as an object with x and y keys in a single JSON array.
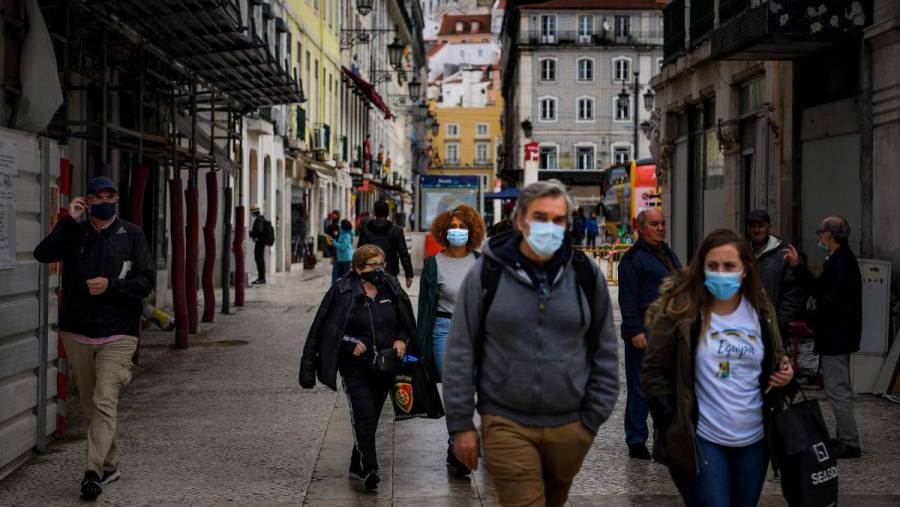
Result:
[{"x": 8, "y": 170}]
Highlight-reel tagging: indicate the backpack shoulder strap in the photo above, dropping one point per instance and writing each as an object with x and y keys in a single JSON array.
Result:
[
  {"x": 586, "y": 278},
  {"x": 490, "y": 279}
]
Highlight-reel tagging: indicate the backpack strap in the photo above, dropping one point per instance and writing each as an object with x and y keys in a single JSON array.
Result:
[
  {"x": 586, "y": 278},
  {"x": 491, "y": 271}
]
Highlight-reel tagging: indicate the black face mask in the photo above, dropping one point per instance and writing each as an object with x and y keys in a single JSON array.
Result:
[{"x": 376, "y": 278}]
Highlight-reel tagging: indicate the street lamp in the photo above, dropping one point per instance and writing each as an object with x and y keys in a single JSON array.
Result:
[
  {"x": 623, "y": 98},
  {"x": 527, "y": 128},
  {"x": 649, "y": 100},
  {"x": 364, "y": 7},
  {"x": 429, "y": 121},
  {"x": 395, "y": 52},
  {"x": 414, "y": 87},
  {"x": 624, "y": 101},
  {"x": 422, "y": 110},
  {"x": 435, "y": 128}
]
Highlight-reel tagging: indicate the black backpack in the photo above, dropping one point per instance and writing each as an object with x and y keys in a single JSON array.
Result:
[
  {"x": 585, "y": 277},
  {"x": 268, "y": 233}
]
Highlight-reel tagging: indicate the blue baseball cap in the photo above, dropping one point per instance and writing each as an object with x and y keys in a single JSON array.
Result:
[{"x": 98, "y": 183}]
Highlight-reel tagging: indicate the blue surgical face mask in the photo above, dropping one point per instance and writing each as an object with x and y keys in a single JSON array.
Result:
[
  {"x": 103, "y": 211},
  {"x": 723, "y": 286},
  {"x": 823, "y": 247},
  {"x": 457, "y": 237},
  {"x": 545, "y": 238}
]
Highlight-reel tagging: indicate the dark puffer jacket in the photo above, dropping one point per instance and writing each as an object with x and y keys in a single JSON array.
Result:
[
  {"x": 782, "y": 287},
  {"x": 87, "y": 253},
  {"x": 389, "y": 237},
  {"x": 323, "y": 344},
  {"x": 668, "y": 382}
]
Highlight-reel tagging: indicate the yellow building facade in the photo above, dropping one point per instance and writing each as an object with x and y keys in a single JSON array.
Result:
[{"x": 467, "y": 139}]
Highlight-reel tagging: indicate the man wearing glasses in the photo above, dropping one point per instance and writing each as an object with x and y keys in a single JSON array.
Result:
[
  {"x": 837, "y": 321},
  {"x": 532, "y": 334},
  {"x": 107, "y": 271}
]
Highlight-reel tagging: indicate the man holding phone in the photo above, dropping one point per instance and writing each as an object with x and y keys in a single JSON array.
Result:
[{"x": 107, "y": 271}]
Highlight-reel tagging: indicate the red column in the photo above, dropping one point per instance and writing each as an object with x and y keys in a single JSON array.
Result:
[
  {"x": 192, "y": 230},
  {"x": 176, "y": 228},
  {"x": 238, "y": 246},
  {"x": 139, "y": 178},
  {"x": 209, "y": 241}
]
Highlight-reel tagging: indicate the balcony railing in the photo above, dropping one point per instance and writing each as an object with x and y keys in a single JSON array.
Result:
[
  {"x": 702, "y": 16},
  {"x": 593, "y": 38},
  {"x": 673, "y": 21}
]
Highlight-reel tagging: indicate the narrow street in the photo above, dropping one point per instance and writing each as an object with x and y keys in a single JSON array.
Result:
[{"x": 226, "y": 422}]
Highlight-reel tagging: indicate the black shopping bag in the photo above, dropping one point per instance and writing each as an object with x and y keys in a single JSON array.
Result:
[
  {"x": 415, "y": 394},
  {"x": 809, "y": 473}
]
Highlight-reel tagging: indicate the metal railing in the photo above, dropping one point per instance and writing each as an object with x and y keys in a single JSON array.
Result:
[
  {"x": 673, "y": 21},
  {"x": 593, "y": 38},
  {"x": 702, "y": 16}
]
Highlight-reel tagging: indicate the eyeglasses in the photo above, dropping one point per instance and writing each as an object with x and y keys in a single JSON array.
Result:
[{"x": 376, "y": 265}]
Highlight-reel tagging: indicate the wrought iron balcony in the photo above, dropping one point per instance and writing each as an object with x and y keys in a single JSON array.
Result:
[
  {"x": 593, "y": 38},
  {"x": 703, "y": 14},
  {"x": 786, "y": 30},
  {"x": 673, "y": 21}
]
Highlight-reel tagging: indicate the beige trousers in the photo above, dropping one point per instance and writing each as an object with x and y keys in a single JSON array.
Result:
[
  {"x": 533, "y": 466},
  {"x": 100, "y": 372}
]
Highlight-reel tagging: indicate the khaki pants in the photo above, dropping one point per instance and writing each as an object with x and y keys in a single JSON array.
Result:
[
  {"x": 99, "y": 372},
  {"x": 533, "y": 466}
]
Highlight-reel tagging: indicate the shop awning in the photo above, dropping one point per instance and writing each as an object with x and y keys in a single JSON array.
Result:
[
  {"x": 506, "y": 193},
  {"x": 367, "y": 90}
]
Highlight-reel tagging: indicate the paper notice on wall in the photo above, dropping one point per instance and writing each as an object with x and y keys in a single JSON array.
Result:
[{"x": 8, "y": 170}]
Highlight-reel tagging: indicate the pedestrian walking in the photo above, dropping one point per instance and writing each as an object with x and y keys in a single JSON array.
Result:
[
  {"x": 784, "y": 291},
  {"x": 364, "y": 320},
  {"x": 641, "y": 272},
  {"x": 107, "y": 271},
  {"x": 593, "y": 229},
  {"x": 263, "y": 234},
  {"x": 460, "y": 231},
  {"x": 713, "y": 373},
  {"x": 343, "y": 247},
  {"x": 389, "y": 237},
  {"x": 837, "y": 322},
  {"x": 579, "y": 226},
  {"x": 332, "y": 231},
  {"x": 532, "y": 336}
]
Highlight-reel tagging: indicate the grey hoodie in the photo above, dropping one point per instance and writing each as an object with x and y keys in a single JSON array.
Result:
[
  {"x": 534, "y": 367},
  {"x": 782, "y": 287}
]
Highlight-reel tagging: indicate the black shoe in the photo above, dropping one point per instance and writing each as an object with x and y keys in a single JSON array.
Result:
[
  {"x": 638, "y": 451},
  {"x": 110, "y": 476},
  {"x": 372, "y": 480},
  {"x": 846, "y": 451},
  {"x": 462, "y": 471},
  {"x": 259, "y": 282},
  {"x": 91, "y": 487},
  {"x": 356, "y": 472}
]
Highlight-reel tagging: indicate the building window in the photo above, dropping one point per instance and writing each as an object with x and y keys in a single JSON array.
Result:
[
  {"x": 621, "y": 154},
  {"x": 548, "y": 69},
  {"x": 659, "y": 64},
  {"x": 585, "y": 69},
  {"x": 584, "y": 157},
  {"x": 622, "y": 69},
  {"x": 452, "y": 153},
  {"x": 452, "y": 130},
  {"x": 459, "y": 27},
  {"x": 481, "y": 153},
  {"x": 548, "y": 108},
  {"x": 548, "y": 157},
  {"x": 623, "y": 26},
  {"x": 548, "y": 29},
  {"x": 623, "y": 110},
  {"x": 585, "y": 29},
  {"x": 476, "y": 26},
  {"x": 586, "y": 109},
  {"x": 482, "y": 130}
]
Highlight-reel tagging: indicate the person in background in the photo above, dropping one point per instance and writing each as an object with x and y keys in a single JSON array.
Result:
[
  {"x": 713, "y": 375},
  {"x": 593, "y": 229},
  {"x": 332, "y": 231},
  {"x": 390, "y": 238},
  {"x": 107, "y": 272},
  {"x": 641, "y": 272},
  {"x": 343, "y": 247},
  {"x": 578, "y": 227},
  {"x": 460, "y": 231},
  {"x": 540, "y": 358},
  {"x": 785, "y": 293},
  {"x": 837, "y": 321},
  {"x": 258, "y": 235},
  {"x": 364, "y": 314}
]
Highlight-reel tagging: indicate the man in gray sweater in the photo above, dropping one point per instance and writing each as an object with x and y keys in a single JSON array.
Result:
[{"x": 539, "y": 351}]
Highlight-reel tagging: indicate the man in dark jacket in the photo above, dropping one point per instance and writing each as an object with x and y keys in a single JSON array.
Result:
[
  {"x": 382, "y": 232},
  {"x": 107, "y": 271},
  {"x": 641, "y": 272},
  {"x": 837, "y": 321},
  {"x": 258, "y": 235},
  {"x": 785, "y": 294},
  {"x": 545, "y": 357}
]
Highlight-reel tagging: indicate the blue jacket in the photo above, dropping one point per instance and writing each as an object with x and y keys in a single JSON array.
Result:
[
  {"x": 641, "y": 273},
  {"x": 592, "y": 227},
  {"x": 344, "y": 246}
]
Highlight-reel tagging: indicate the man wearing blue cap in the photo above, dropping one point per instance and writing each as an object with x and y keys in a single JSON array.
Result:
[{"x": 107, "y": 272}]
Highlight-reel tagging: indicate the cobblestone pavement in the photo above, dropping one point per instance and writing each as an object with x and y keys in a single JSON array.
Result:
[{"x": 226, "y": 422}]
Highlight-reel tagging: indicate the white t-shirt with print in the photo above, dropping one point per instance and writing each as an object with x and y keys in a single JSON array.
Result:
[{"x": 729, "y": 363}]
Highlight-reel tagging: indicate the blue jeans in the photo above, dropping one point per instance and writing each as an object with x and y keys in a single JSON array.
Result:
[
  {"x": 729, "y": 476},
  {"x": 338, "y": 270},
  {"x": 636, "y": 408},
  {"x": 439, "y": 342}
]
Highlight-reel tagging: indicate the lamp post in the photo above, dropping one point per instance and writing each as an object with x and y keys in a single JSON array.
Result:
[
  {"x": 414, "y": 87},
  {"x": 623, "y": 101},
  {"x": 395, "y": 52},
  {"x": 364, "y": 7}
]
